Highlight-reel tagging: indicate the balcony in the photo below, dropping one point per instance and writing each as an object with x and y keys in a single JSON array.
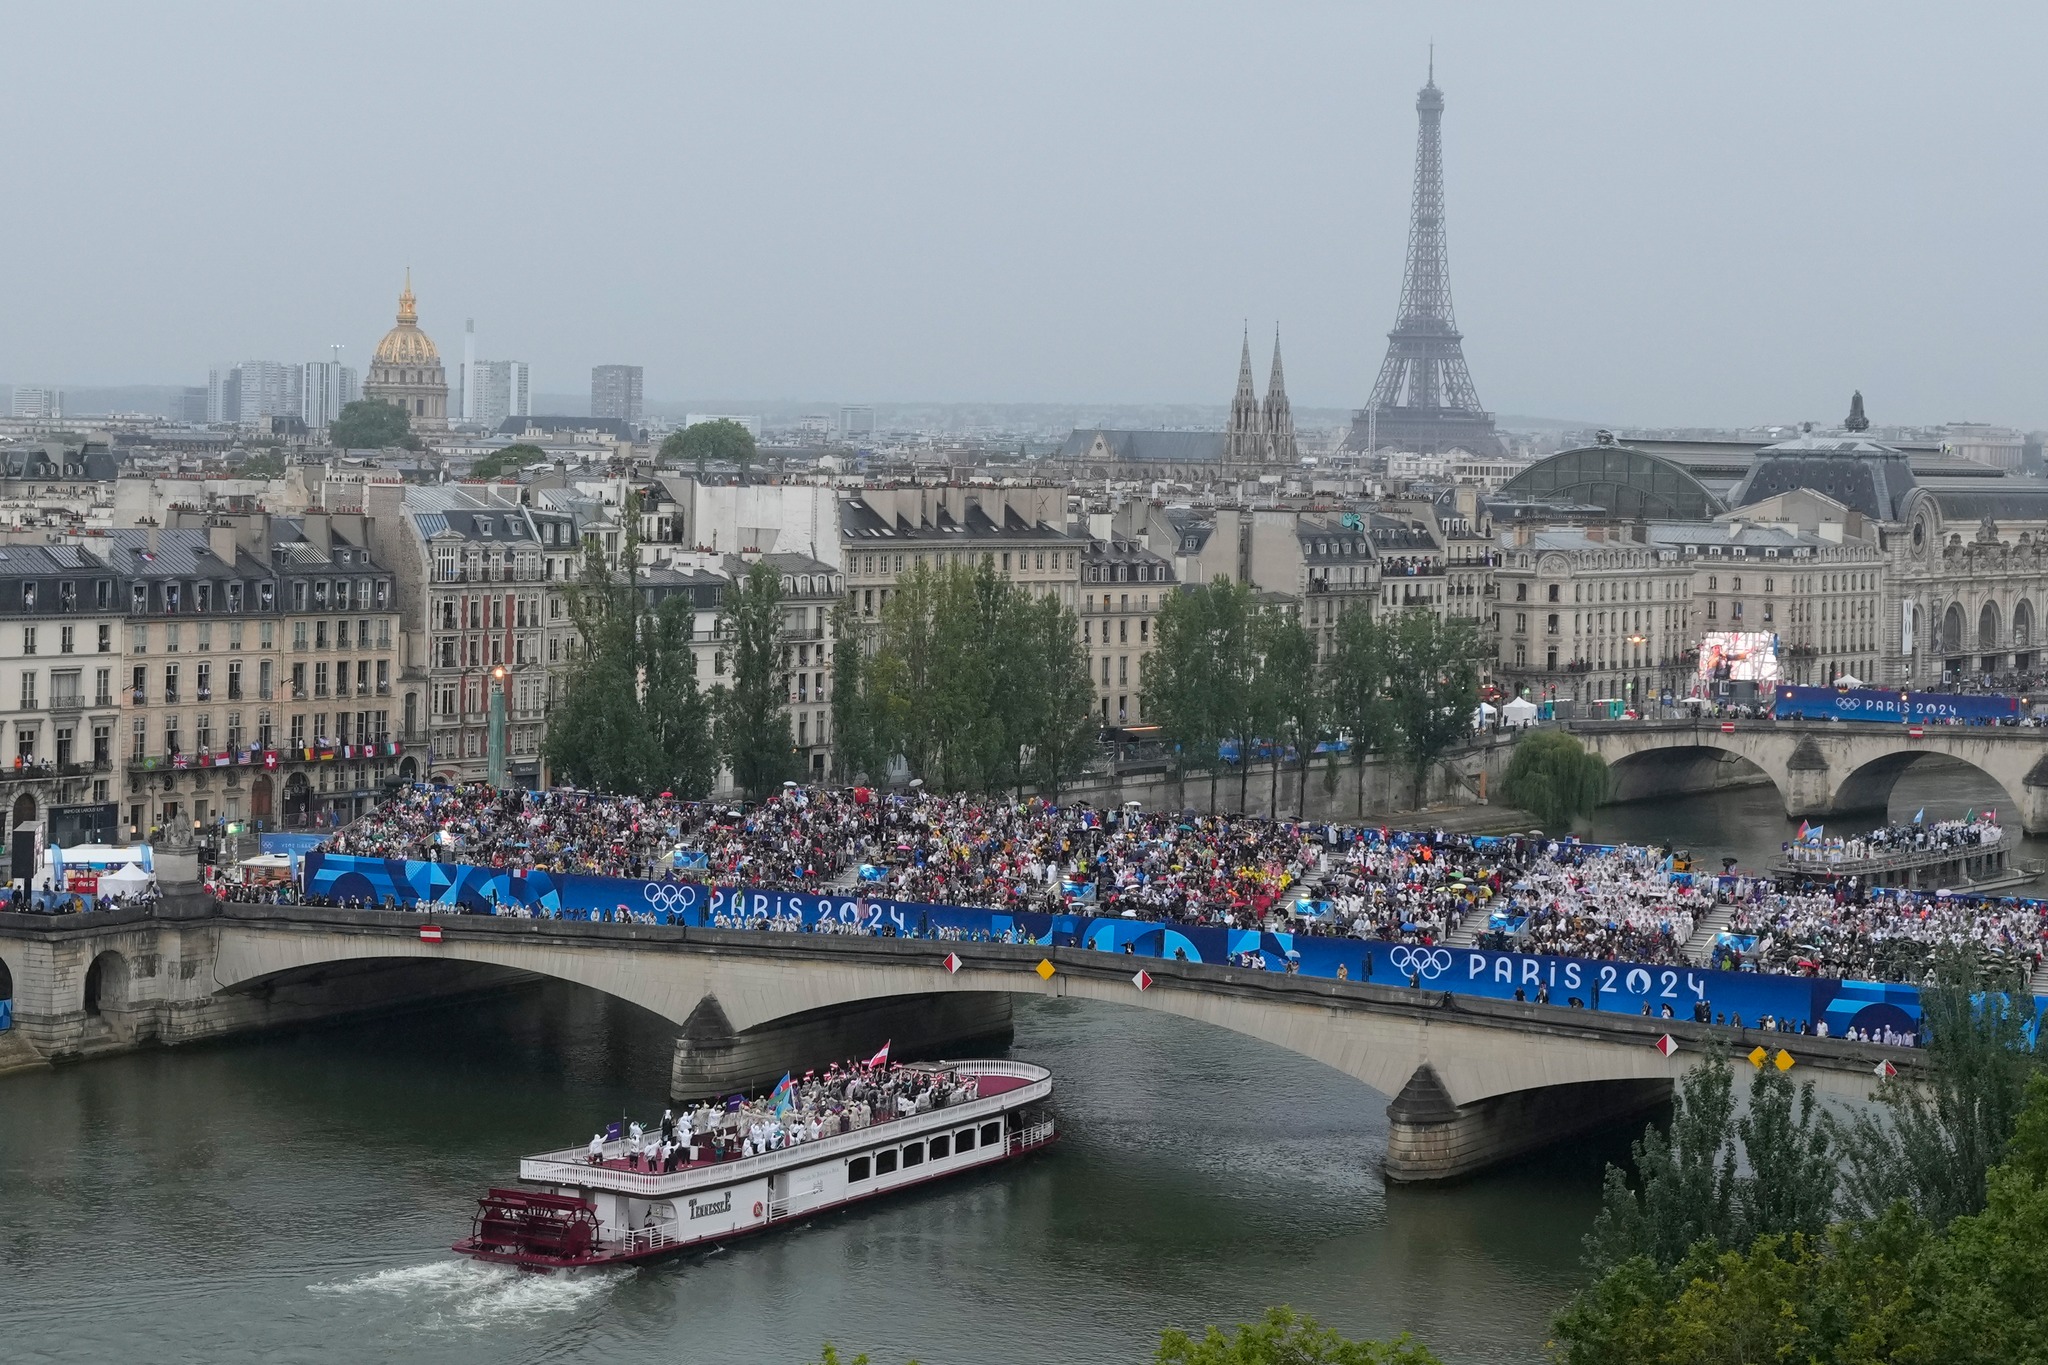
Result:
[
  {"x": 137, "y": 698},
  {"x": 68, "y": 701},
  {"x": 204, "y": 693},
  {"x": 30, "y": 704},
  {"x": 234, "y": 691},
  {"x": 103, "y": 699}
]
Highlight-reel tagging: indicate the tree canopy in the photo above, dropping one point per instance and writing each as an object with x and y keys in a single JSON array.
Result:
[
  {"x": 1554, "y": 778},
  {"x": 753, "y": 726},
  {"x": 372, "y": 424},
  {"x": 510, "y": 460},
  {"x": 705, "y": 443}
]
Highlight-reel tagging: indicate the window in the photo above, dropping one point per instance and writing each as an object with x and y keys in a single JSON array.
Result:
[
  {"x": 106, "y": 639},
  {"x": 991, "y": 1134},
  {"x": 964, "y": 1140},
  {"x": 28, "y": 639},
  {"x": 885, "y": 1162},
  {"x": 856, "y": 1170},
  {"x": 67, "y": 639},
  {"x": 913, "y": 1152},
  {"x": 941, "y": 1148}
]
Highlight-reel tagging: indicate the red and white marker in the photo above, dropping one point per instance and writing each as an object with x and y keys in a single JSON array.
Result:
[
  {"x": 1666, "y": 1045},
  {"x": 430, "y": 933},
  {"x": 1143, "y": 980},
  {"x": 1885, "y": 1071},
  {"x": 952, "y": 962}
]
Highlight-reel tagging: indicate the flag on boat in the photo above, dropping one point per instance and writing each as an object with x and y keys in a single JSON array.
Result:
[
  {"x": 1970, "y": 815},
  {"x": 881, "y": 1058},
  {"x": 783, "y": 1095},
  {"x": 1919, "y": 815},
  {"x": 1803, "y": 828},
  {"x": 1813, "y": 835}
]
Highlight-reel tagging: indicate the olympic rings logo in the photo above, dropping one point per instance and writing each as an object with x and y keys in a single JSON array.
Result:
[
  {"x": 1427, "y": 963},
  {"x": 667, "y": 895}
]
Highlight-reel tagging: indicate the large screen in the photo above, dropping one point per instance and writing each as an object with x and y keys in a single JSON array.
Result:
[{"x": 1739, "y": 655}]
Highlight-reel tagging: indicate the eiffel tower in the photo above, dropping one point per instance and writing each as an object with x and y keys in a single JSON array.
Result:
[{"x": 1424, "y": 399}]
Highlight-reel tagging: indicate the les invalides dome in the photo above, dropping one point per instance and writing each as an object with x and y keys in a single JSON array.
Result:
[{"x": 406, "y": 370}]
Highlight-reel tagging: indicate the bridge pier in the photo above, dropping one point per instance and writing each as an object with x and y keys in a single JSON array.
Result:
[
  {"x": 1431, "y": 1138},
  {"x": 713, "y": 1058}
]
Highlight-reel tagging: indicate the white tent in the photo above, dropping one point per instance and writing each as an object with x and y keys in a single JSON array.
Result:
[
  {"x": 1482, "y": 716},
  {"x": 125, "y": 880},
  {"x": 1519, "y": 712},
  {"x": 1848, "y": 680}
]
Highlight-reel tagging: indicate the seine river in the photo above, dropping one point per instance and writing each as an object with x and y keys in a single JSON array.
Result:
[{"x": 288, "y": 1198}]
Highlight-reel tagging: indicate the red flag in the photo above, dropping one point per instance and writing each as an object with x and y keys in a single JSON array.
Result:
[{"x": 881, "y": 1058}]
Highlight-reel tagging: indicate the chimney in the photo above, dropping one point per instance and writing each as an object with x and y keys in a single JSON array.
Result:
[{"x": 220, "y": 538}]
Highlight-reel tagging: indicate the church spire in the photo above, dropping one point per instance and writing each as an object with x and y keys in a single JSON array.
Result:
[
  {"x": 1244, "y": 439},
  {"x": 1277, "y": 415},
  {"x": 408, "y": 307}
]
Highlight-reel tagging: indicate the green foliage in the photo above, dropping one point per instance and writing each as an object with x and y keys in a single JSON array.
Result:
[
  {"x": 1554, "y": 778},
  {"x": 857, "y": 746},
  {"x": 1284, "y": 1337},
  {"x": 722, "y": 441},
  {"x": 1175, "y": 687},
  {"x": 1355, "y": 683},
  {"x": 1934, "y": 1143},
  {"x": 977, "y": 682},
  {"x": 270, "y": 464},
  {"x": 753, "y": 726},
  {"x": 372, "y": 424},
  {"x": 1928, "y": 1279},
  {"x": 631, "y": 718},
  {"x": 510, "y": 460},
  {"x": 1432, "y": 687},
  {"x": 1690, "y": 1191},
  {"x": 1293, "y": 700}
]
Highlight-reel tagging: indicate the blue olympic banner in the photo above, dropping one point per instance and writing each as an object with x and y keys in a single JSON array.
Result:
[
  {"x": 6, "y": 1015},
  {"x": 1615, "y": 987}
]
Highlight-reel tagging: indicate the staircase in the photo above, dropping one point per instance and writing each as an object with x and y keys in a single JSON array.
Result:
[
  {"x": 1703, "y": 934},
  {"x": 2040, "y": 986},
  {"x": 1467, "y": 933}
]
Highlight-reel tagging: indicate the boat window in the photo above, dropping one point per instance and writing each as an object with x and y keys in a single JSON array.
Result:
[
  {"x": 942, "y": 1147},
  {"x": 964, "y": 1140},
  {"x": 991, "y": 1134},
  {"x": 885, "y": 1162},
  {"x": 856, "y": 1170},
  {"x": 913, "y": 1154}
]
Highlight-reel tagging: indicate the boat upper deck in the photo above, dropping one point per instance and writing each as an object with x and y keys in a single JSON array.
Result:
[{"x": 1001, "y": 1086}]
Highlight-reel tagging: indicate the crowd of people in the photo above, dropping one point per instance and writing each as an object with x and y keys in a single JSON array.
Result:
[
  {"x": 1516, "y": 894},
  {"x": 1914, "y": 837},
  {"x": 821, "y": 1105},
  {"x": 1880, "y": 935}
]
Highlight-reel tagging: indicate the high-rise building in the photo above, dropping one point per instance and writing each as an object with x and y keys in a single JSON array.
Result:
[
  {"x": 325, "y": 388},
  {"x": 192, "y": 404},
  {"x": 497, "y": 389},
  {"x": 224, "y": 393},
  {"x": 1424, "y": 399},
  {"x": 468, "y": 376},
  {"x": 267, "y": 389},
  {"x": 38, "y": 401},
  {"x": 615, "y": 391},
  {"x": 856, "y": 422}
]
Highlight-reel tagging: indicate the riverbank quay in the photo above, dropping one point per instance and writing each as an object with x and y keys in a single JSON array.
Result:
[{"x": 1472, "y": 1080}]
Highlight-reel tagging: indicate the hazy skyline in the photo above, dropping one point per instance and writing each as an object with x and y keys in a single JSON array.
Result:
[{"x": 1655, "y": 217}]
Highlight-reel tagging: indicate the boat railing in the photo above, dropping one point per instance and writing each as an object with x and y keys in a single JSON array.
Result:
[
  {"x": 1032, "y": 1136},
  {"x": 1888, "y": 859},
  {"x": 639, "y": 1241},
  {"x": 571, "y": 1165}
]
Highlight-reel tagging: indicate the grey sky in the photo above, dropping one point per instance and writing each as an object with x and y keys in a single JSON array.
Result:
[{"x": 1734, "y": 213}]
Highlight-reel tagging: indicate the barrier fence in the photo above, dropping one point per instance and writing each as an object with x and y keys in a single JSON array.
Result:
[{"x": 1614, "y": 987}]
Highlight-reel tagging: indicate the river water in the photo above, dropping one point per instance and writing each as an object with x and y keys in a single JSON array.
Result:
[{"x": 288, "y": 1198}]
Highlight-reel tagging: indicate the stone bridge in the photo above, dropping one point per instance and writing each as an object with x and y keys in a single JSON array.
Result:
[
  {"x": 1472, "y": 1081},
  {"x": 1819, "y": 767}
]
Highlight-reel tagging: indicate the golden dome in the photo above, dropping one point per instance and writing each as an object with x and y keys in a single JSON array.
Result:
[{"x": 406, "y": 344}]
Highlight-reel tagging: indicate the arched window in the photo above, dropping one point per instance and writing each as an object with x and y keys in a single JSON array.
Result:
[
  {"x": 1987, "y": 626},
  {"x": 2022, "y": 624}
]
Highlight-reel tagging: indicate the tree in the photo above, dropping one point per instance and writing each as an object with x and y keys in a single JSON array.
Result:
[
  {"x": 1935, "y": 1140},
  {"x": 857, "y": 747},
  {"x": 1355, "y": 683},
  {"x": 1432, "y": 688},
  {"x": 269, "y": 464},
  {"x": 372, "y": 424},
  {"x": 1554, "y": 778},
  {"x": 1058, "y": 723},
  {"x": 1686, "y": 1181},
  {"x": 702, "y": 443},
  {"x": 510, "y": 460},
  {"x": 631, "y": 718},
  {"x": 1175, "y": 689},
  {"x": 1294, "y": 699},
  {"x": 753, "y": 720},
  {"x": 1284, "y": 1337}
]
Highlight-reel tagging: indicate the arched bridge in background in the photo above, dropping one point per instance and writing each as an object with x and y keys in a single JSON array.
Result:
[
  {"x": 1472, "y": 1081},
  {"x": 1819, "y": 768}
]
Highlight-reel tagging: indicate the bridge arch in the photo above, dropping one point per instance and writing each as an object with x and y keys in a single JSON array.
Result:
[
  {"x": 1649, "y": 773},
  {"x": 105, "y": 987},
  {"x": 1869, "y": 786}
]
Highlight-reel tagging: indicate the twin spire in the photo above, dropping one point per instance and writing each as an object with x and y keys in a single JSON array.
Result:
[{"x": 1260, "y": 433}]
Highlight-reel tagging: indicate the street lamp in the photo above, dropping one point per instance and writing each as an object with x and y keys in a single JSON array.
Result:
[{"x": 497, "y": 742}]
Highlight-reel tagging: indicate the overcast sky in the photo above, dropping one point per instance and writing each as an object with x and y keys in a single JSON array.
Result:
[{"x": 1732, "y": 214}]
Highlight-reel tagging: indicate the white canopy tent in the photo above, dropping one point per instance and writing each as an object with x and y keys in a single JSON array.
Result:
[
  {"x": 1848, "y": 680},
  {"x": 125, "y": 881},
  {"x": 1519, "y": 712}
]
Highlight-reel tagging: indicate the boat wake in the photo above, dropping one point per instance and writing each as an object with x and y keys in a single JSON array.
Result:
[{"x": 474, "y": 1293}]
